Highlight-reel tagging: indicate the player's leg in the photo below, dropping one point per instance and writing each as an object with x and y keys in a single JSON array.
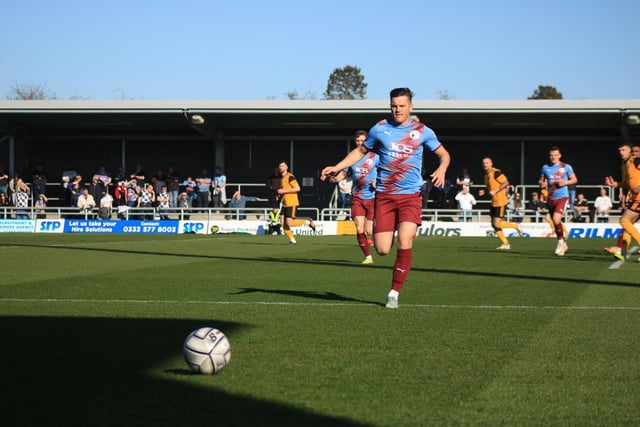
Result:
[
  {"x": 385, "y": 223},
  {"x": 289, "y": 218},
  {"x": 561, "y": 246},
  {"x": 409, "y": 217},
  {"x": 627, "y": 221},
  {"x": 497, "y": 213},
  {"x": 508, "y": 224},
  {"x": 369, "y": 209},
  {"x": 362, "y": 238}
]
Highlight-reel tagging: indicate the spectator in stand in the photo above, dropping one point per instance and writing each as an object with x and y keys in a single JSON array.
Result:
[
  {"x": 69, "y": 176},
  {"x": 147, "y": 199},
  {"x": 203, "y": 183},
  {"x": 219, "y": 188},
  {"x": 39, "y": 181},
  {"x": 239, "y": 201},
  {"x": 14, "y": 186},
  {"x": 21, "y": 194},
  {"x": 100, "y": 184},
  {"x": 138, "y": 174},
  {"x": 602, "y": 206},
  {"x": 466, "y": 201},
  {"x": 184, "y": 204},
  {"x": 273, "y": 183},
  {"x": 163, "y": 202},
  {"x": 86, "y": 202},
  {"x": 158, "y": 181},
  {"x": 120, "y": 176},
  {"x": 106, "y": 203},
  {"x": 516, "y": 207},
  {"x": 104, "y": 177},
  {"x": 464, "y": 179},
  {"x": 538, "y": 207},
  {"x": 580, "y": 209},
  {"x": 121, "y": 198},
  {"x": 190, "y": 189},
  {"x": 4, "y": 200},
  {"x": 40, "y": 206},
  {"x": 345, "y": 186},
  {"x": 4, "y": 181},
  {"x": 133, "y": 192},
  {"x": 173, "y": 187},
  {"x": 572, "y": 196},
  {"x": 74, "y": 190}
]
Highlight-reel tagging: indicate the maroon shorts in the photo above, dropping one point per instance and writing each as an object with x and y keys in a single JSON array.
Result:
[
  {"x": 362, "y": 207},
  {"x": 557, "y": 205},
  {"x": 392, "y": 209}
]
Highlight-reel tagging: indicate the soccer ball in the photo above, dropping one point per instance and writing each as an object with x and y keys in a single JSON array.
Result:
[{"x": 207, "y": 350}]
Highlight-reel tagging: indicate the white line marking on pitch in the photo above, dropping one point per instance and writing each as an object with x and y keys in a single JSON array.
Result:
[{"x": 283, "y": 303}]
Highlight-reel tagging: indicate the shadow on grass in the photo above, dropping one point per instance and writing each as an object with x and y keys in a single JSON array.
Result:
[
  {"x": 349, "y": 264},
  {"x": 100, "y": 372},
  {"x": 326, "y": 296}
]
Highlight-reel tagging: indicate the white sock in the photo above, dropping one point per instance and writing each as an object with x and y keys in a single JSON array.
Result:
[{"x": 393, "y": 294}]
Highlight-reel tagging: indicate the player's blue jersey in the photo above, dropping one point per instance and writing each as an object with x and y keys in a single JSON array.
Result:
[
  {"x": 400, "y": 149},
  {"x": 364, "y": 174},
  {"x": 553, "y": 174}
]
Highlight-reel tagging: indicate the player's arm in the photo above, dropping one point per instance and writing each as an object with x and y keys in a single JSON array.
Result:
[
  {"x": 350, "y": 159},
  {"x": 504, "y": 183},
  {"x": 573, "y": 179},
  {"x": 295, "y": 188},
  {"x": 338, "y": 177},
  {"x": 438, "y": 176}
]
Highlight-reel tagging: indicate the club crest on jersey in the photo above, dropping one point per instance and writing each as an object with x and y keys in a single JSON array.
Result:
[
  {"x": 414, "y": 135},
  {"x": 561, "y": 170}
]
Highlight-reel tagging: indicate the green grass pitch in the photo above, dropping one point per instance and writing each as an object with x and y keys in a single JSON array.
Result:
[{"x": 92, "y": 329}]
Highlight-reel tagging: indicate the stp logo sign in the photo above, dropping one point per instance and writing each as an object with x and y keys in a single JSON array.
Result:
[
  {"x": 193, "y": 227},
  {"x": 55, "y": 226}
]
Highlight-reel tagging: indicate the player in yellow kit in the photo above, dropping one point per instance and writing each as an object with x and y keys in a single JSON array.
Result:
[
  {"x": 497, "y": 184},
  {"x": 288, "y": 191},
  {"x": 631, "y": 185}
]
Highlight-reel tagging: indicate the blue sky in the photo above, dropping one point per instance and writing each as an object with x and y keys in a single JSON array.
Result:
[{"x": 159, "y": 50}]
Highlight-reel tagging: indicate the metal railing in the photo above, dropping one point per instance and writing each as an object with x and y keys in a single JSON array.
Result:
[
  {"x": 128, "y": 213},
  {"x": 458, "y": 215}
]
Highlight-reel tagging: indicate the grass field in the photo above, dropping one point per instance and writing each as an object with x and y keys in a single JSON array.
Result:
[{"x": 92, "y": 329}]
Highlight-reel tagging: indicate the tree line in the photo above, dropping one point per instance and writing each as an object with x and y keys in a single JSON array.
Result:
[{"x": 346, "y": 83}]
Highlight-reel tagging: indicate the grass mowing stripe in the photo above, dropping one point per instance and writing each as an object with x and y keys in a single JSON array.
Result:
[{"x": 317, "y": 304}]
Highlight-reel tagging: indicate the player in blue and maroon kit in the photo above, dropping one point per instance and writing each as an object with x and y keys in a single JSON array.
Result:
[
  {"x": 363, "y": 173},
  {"x": 556, "y": 176},
  {"x": 399, "y": 141}
]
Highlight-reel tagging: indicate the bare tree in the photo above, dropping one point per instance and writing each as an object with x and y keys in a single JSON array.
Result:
[
  {"x": 293, "y": 94},
  {"x": 22, "y": 91},
  {"x": 444, "y": 94}
]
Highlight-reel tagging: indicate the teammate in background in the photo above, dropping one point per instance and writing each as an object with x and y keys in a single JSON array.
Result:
[
  {"x": 630, "y": 185},
  {"x": 635, "y": 151},
  {"x": 364, "y": 191},
  {"x": 497, "y": 184},
  {"x": 289, "y": 189},
  {"x": 555, "y": 176},
  {"x": 399, "y": 141},
  {"x": 547, "y": 216}
]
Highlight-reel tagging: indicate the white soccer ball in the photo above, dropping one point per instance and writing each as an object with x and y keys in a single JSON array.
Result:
[{"x": 207, "y": 350}]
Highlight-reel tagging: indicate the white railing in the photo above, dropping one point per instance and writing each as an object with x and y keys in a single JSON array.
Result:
[
  {"x": 262, "y": 214},
  {"x": 458, "y": 215}
]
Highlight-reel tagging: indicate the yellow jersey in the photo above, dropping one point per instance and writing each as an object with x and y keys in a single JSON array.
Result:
[
  {"x": 493, "y": 180},
  {"x": 289, "y": 182}
]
